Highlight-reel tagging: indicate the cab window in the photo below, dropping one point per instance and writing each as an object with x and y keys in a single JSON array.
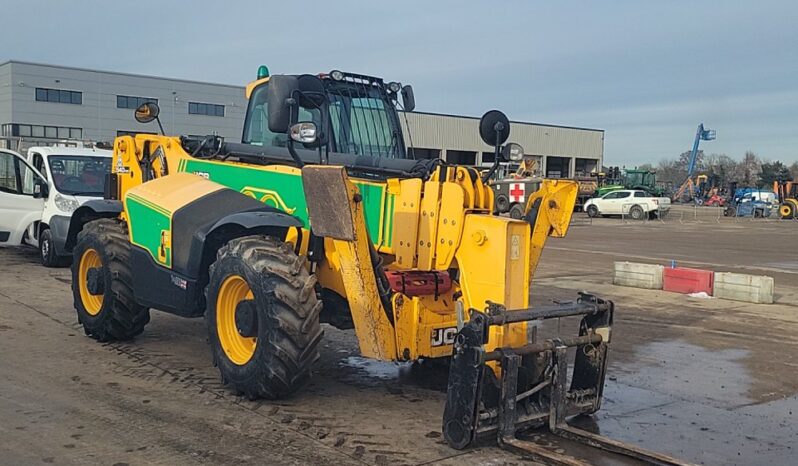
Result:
[
  {"x": 16, "y": 177},
  {"x": 8, "y": 173}
]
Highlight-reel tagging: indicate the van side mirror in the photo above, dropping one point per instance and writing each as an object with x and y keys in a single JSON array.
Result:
[{"x": 41, "y": 190}]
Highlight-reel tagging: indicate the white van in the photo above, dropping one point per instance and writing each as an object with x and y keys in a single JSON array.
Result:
[
  {"x": 22, "y": 189},
  {"x": 73, "y": 176}
]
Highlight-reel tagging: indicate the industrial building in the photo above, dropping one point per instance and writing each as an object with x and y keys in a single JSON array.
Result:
[
  {"x": 46, "y": 103},
  {"x": 560, "y": 151}
]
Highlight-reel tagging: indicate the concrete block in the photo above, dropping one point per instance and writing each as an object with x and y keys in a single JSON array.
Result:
[
  {"x": 685, "y": 280},
  {"x": 742, "y": 287},
  {"x": 638, "y": 275}
]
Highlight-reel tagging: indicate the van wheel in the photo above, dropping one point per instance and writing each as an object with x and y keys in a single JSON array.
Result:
[
  {"x": 47, "y": 251},
  {"x": 636, "y": 213}
]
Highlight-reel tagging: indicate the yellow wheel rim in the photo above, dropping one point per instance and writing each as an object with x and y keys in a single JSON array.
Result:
[
  {"x": 786, "y": 211},
  {"x": 238, "y": 348},
  {"x": 93, "y": 303}
]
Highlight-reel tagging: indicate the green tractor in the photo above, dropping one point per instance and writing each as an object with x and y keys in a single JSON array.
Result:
[{"x": 629, "y": 178}]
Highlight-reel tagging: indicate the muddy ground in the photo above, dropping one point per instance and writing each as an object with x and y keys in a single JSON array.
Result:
[{"x": 709, "y": 381}]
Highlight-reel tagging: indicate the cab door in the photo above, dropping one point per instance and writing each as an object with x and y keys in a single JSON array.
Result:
[
  {"x": 21, "y": 200},
  {"x": 610, "y": 203}
]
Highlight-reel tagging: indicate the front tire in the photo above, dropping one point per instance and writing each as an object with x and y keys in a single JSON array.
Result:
[
  {"x": 47, "y": 251},
  {"x": 262, "y": 317},
  {"x": 102, "y": 285},
  {"x": 592, "y": 211}
]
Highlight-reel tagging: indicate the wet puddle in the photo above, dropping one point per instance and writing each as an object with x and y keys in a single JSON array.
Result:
[{"x": 692, "y": 403}]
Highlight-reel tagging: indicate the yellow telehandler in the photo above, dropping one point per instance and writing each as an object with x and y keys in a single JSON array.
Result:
[{"x": 318, "y": 216}]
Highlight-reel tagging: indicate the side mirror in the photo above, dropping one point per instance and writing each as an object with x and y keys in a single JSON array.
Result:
[
  {"x": 494, "y": 128},
  {"x": 282, "y": 99},
  {"x": 278, "y": 101},
  {"x": 311, "y": 91},
  {"x": 513, "y": 152},
  {"x": 408, "y": 98},
  {"x": 147, "y": 112},
  {"x": 305, "y": 133},
  {"x": 41, "y": 190}
]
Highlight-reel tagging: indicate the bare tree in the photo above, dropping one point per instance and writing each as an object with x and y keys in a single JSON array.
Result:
[{"x": 749, "y": 169}]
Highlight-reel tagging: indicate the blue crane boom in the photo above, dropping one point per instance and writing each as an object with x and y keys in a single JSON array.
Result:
[
  {"x": 688, "y": 187},
  {"x": 701, "y": 134}
]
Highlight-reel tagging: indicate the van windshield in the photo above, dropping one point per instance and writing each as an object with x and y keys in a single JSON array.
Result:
[{"x": 79, "y": 175}]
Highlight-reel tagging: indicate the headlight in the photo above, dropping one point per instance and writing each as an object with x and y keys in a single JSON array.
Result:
[
  {"x": 394, "y": 87},
  {"x": 337, "y": 75},
  {"x": 66, "y": 204}
]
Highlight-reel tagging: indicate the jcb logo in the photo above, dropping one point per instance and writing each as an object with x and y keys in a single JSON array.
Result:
[{"x": 443, "y": 336}]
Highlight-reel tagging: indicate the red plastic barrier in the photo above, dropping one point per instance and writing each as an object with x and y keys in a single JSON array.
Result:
[{"x": 684, "y": 280}]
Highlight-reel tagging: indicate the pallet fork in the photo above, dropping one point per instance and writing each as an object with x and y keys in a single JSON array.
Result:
[{"x": 532, "y": 389}]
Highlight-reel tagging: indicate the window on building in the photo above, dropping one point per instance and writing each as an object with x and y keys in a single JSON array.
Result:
[
  {"x": 59, "y": 96},
  {"x": 197, "y": 108},
  {"x": 40, "y": 131},
  {"x": 131, "y": 133},
  {"x": 419, "y": 153},
  {"x": 584, "y": 167},
  {"x": 488, "y": 157},
  {"x": 461, "y": 157},
  {"x": 127, "y": 101}
]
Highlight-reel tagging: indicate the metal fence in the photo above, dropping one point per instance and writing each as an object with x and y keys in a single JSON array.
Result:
[{"x": 690, "y": 213}]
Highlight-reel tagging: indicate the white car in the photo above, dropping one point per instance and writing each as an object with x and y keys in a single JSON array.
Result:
[
  {"x": 633, "y": 203},
  {"x": 72, "y": 176}
]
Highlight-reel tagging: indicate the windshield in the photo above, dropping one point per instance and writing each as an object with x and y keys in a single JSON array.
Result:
[
  {"x": 362, "y": 119},
  {"x": 79, "y": 175}
]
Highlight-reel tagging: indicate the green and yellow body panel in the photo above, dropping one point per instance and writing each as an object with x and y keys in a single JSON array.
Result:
[
  {"x": 280, "y": 186},
  {"x": 150, "y": 208}
]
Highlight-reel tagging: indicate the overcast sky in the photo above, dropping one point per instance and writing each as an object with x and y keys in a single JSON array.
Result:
[{"x": 647, "y": 72}]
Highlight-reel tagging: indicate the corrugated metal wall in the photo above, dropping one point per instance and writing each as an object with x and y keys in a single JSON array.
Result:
[{"x": 435, "y": 131}]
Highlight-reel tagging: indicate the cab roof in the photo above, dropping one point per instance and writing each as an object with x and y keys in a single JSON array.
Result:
[{"x": 75, "y": 151}]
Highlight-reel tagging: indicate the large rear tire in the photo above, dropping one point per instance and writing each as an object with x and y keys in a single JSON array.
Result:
[
  {"x": 102, "y": 285},
  {"x": 262, "y": 317}
]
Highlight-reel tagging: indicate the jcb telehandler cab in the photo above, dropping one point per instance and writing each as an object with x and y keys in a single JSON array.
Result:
[{"x": 318, "y": 216}]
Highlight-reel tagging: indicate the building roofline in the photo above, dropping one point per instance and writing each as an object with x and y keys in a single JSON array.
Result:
[
  {"x": 232, "y": 86},
  {"x": 135, "y": 75},
  {"x": 531, "y": 123}
]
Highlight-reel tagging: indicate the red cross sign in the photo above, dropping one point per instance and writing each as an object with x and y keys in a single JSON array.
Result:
[{"x": 517, "y": 192}]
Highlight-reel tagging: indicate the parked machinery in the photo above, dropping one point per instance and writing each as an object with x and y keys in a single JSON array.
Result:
[
  {"x": 315, "y": 218},
  {"x": 787, "y": 193},
  {"x": 689, "y": 189}
]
